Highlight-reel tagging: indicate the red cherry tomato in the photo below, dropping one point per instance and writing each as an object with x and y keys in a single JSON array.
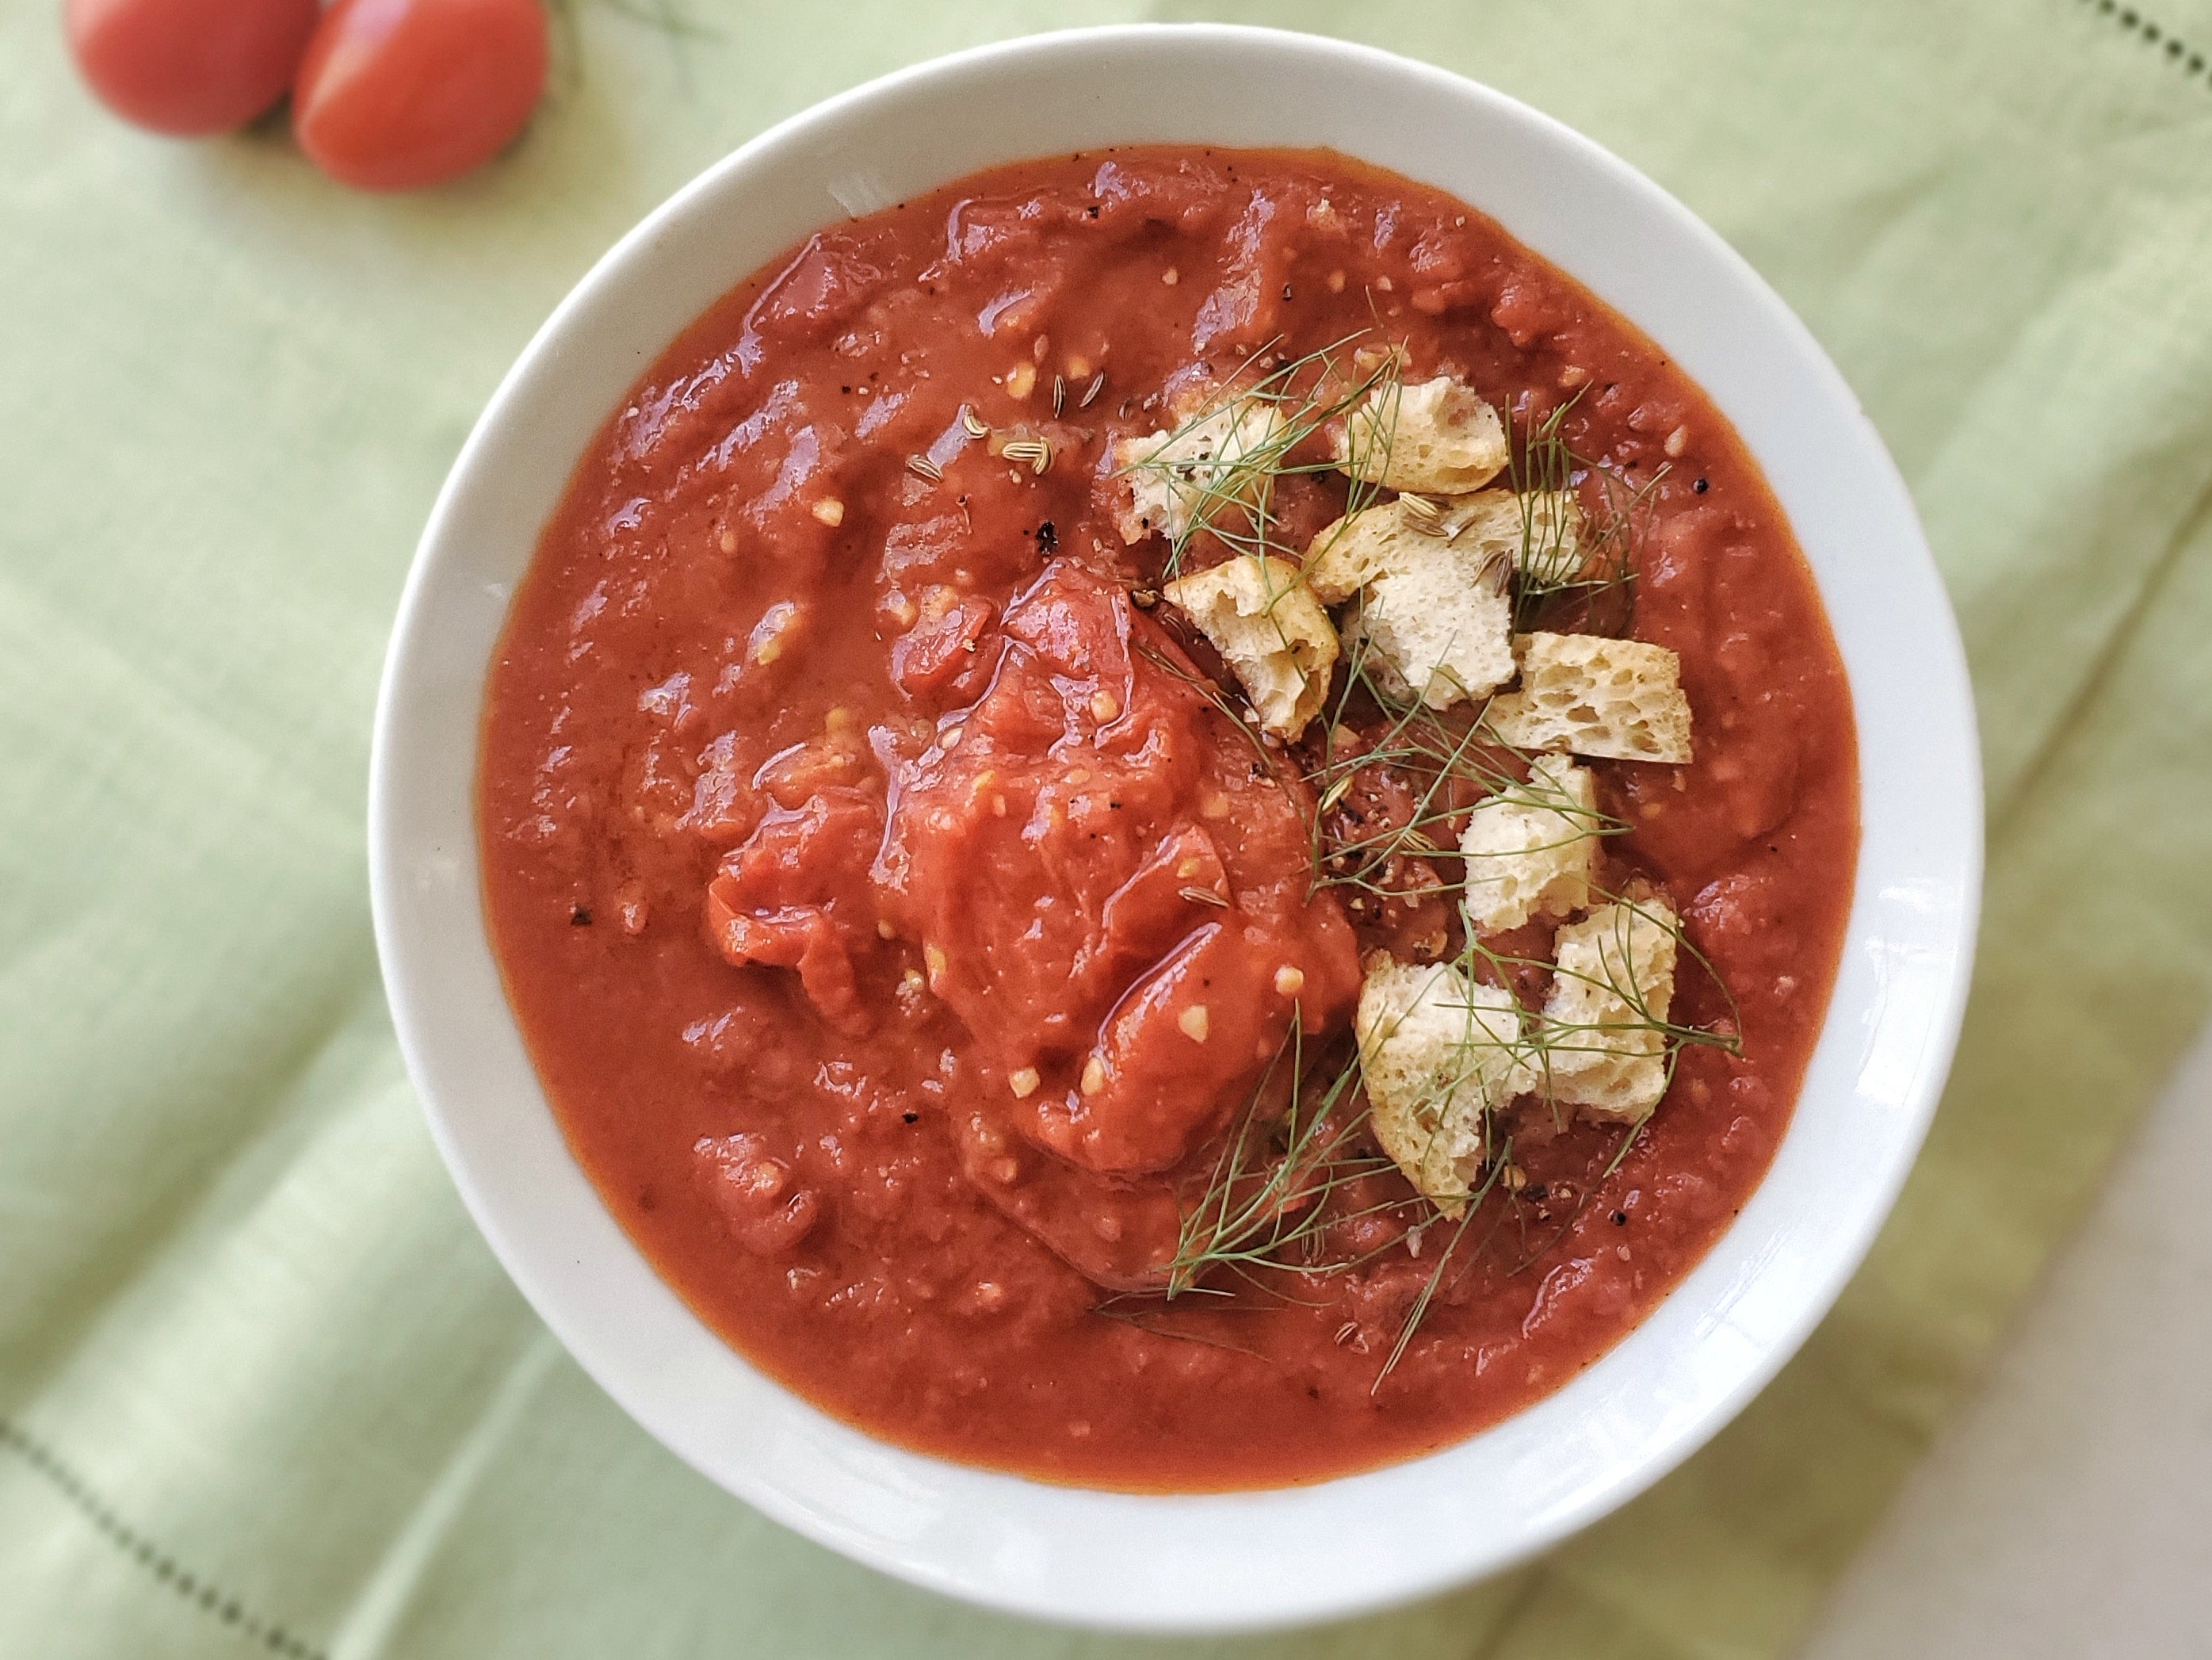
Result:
[
  {"x": 395, "y": 95},
  {"x": 188, "y": 67}
]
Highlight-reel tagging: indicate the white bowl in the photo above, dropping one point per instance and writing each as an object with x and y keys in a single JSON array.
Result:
[{"x": 1239, "y": 1560}]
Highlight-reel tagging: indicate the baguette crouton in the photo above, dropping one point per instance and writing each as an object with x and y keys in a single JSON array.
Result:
[
  {"x": 1588, "y": 694},
  {"x": 1505, "y": 529},
  {"x": 1432, "y": 586},
  {"x": 1436, "y": 435},
  {"x": 1436, "y": 1053},
  {"x": 1530, "y": 850},
  {"x": 1270, "y": 631},
  {"x": 1603, "y": 1050},
  {"x": 1198, "y": 473},
  {"x": 1431, "y": 634}
]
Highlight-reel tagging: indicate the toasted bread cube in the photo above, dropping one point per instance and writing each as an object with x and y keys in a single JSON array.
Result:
[
  {"x": 1437, "y": 1053},
  {"x": 1588, "y": 694},
  {"x": 1433, "y": 618},
  {"x": 1353, "y": 550},
  {"x": 1432, "y": 634},
  {"x": 1437, "y": 435},
  {"x": 1539, "y": 531},
  {"x": 1604, "y": 1052},
  {"x": 1199, "y": 473},
  {"x": 1531, "y": 849},
  {"x": 1270, "y": 631},
  {"x": 1498, "y": 527},
  {"x": 1435, "y": 615},
  {"x": 1549, "y": 523}
]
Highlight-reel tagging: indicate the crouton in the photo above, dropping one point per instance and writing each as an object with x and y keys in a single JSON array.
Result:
[
  {"x": 1548, "y": 526},
  {"x": 1531, "y": 849},
  {"x": 1436, "y": 435},
  {"x": 1621, "y": 699},
  {"x": 1420, "y": 636},
  {"x": 1353, "y": 550},
  {"x": 1540, "y": 530},
  {"x": 1604, "y": 1052},
  {"x": 1270, "y": 631},
  {"x": 1432, "y": 611},
  {"x": 1436, "y": 1053},
  {"x": 1195, "y": 474}
]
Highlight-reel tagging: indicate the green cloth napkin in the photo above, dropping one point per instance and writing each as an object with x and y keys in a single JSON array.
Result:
[{"x": 261, "y": 1388}]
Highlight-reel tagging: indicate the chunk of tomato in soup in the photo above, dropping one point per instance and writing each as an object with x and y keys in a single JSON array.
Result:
[{"x": 1112, "y": 886}]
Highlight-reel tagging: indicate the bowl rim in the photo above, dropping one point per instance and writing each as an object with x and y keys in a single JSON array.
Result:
[{"x": 395, "y": 868}]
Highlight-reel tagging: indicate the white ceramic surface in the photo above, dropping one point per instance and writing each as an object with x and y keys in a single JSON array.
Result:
[{"x": 1241, "y": 1560}]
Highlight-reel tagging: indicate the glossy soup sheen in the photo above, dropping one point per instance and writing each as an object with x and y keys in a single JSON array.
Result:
[{"x": 781, "y": 951}]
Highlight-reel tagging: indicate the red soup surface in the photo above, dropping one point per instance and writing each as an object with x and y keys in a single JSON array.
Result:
[{"x": 910, "y": 927}]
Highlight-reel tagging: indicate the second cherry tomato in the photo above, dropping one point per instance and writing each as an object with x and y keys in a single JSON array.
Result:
[{"x": 396, "y": 94}]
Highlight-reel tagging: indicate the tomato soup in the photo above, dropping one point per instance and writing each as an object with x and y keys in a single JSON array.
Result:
[{"x": 923, "y": 941}]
